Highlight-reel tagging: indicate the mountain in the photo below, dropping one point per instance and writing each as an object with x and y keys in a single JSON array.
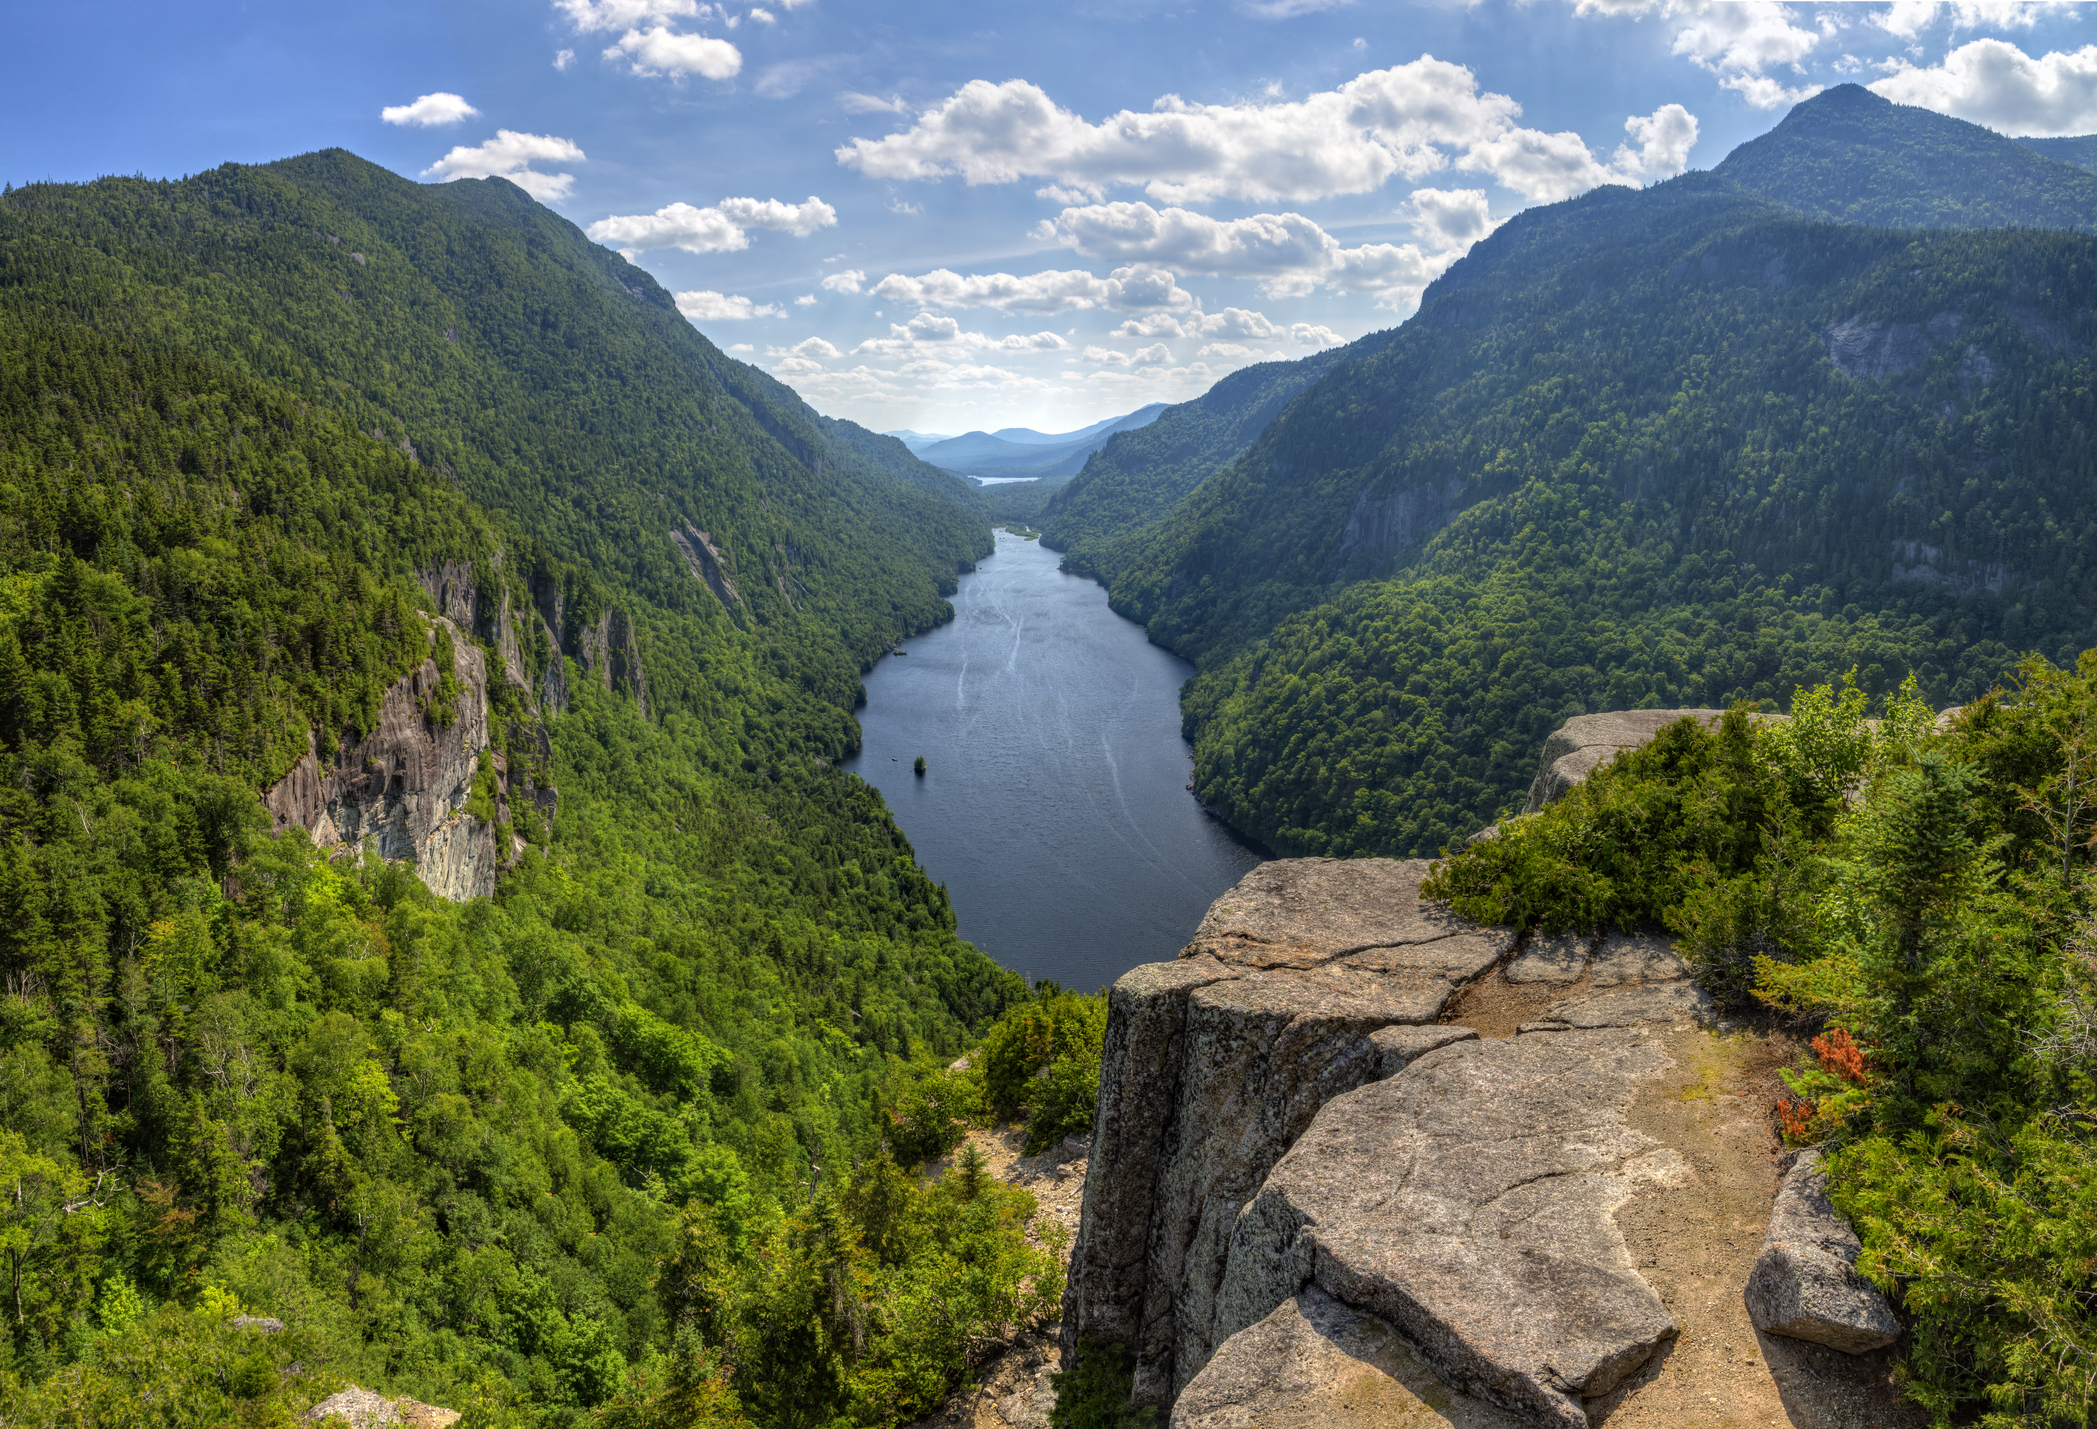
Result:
[
  {"x": 1670, "y": 447},
  {"x": 1023, "y": 452},
  {"x": 1139, "y": 474},
  {"x": 918, "y": 441},
  {"x": 2079, "y": 150},
  {"x": 1850, "y": 156},
  {"x": 366, "y": 546},
  {"x": 1027, "y": 436}
]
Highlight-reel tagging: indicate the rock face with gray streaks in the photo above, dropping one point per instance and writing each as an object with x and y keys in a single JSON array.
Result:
[
  {"x": 1805, "y": 1283},
  {"x": 1469, "y": 1202},
  {"x": 405, "y": 784},
  {"x": 1315, "y": 1363},
  {"x": 1585, "y": 742},
  {"x": 1215, "y": 1063},
  {"x": 1290, "y": 1150}
]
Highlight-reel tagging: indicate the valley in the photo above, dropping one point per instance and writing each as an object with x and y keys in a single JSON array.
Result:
[{"x": 533, "y": 860}]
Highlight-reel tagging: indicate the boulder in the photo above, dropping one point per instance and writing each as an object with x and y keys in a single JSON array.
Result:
[
  {"x": 1585, "y": 742},
  {"x": 1317, "y": 1364},
  {"x": 1469, "y": 1203},
  {"x": 1805, "y": 1284},
  {"x": 1215, "y": 1063}
]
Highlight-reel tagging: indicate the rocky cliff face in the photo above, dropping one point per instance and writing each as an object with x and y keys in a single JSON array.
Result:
[
  {"x": 1306, "y": 1147},
  {"x": 405, "y": 785}
]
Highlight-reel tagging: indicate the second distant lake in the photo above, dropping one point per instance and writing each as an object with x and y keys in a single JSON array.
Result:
[{"x": 1054, "y": 804}]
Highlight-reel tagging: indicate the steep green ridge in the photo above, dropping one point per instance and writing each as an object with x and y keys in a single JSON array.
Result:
[
  {"x": 446, "y": 1143},
  {"x": 555, "y": 380},
  {"x": 1614, "y": 461},
  {"x": 1850, "y": 156},
  {"x": 1138, "y": 476},
  {"x": 2079, "y": 149}
]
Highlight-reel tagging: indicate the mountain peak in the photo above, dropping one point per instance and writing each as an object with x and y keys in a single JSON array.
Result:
[{"x": 1855, "y": 157}]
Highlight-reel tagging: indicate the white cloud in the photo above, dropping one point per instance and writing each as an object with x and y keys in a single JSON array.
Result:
[
  {"x": 1057, "y": 193},
  {"x": 1404, "y": 121},
  {"x": 742, "y": 347},
  {"x": 1155, "y": 355},
  {"x": 845, "y": 282},
  {"x": 853, "y": 102},
  {"x": 763, "y": 16},
  {"x": 1737, "y": 40},
  {"x": 1228, "y": 351},
  {"x": 563, "y": 59},
  {"x": 796, "y": 366},
  {"x": 1664, "y": 139},
  {"x": 703, "y": 305},
  {"x": 937, "y": 329},
  {"x": 588, "y": 15},
  {"x": 1450, "y": 218},
  {"x": 1239, "y": 322},
  {"x": 1286, "y": 253},
  {"x": 814, "y": 347},
  {"x": 1995, "y": 83},
  {"x": 429, "y": 111},
  {"x": 806, "y": 300},
  {"x": 1345, "y": 140},
  {"x": 723, "y": 228},
  {"x": 1136, "y": 288},
  {"x": 1909, "y": 18},
  {"x": 662, "y": 51},
  {"x": 1151, "y": 325},
  {"x": 1543, "y": 168},
  {"x": 1359, "y": 43},
  {"x": 509, "y": 155},
  {"x": 1314, "y": 335}
]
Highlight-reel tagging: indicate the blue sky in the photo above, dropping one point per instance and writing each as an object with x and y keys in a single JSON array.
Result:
[{"x": 954, "y": 216}]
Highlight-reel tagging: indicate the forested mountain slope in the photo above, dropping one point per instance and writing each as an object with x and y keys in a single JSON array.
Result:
[
  {"x": 252, "y": 424},
  {"x": 1138, "y": 476},
  {"x": 1045, "y": 459},
  {"x": 2077, "y": 149},
  {"x": 1666, "y": 447},
  {"x": 558, "y": 382},
  {"x": 1848, "y": 155}
]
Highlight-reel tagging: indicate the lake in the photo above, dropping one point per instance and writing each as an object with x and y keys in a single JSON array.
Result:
[{"x": 1054, "y": 805}]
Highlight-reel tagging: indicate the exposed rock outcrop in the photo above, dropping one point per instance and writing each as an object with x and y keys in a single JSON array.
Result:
[
  {"x": 1315, "y": 1363},
  {"x": 1311, "y": 1200},
  {"x": 1585, "y": 742},
  {"x": 1469, "y": 1202},
  {"x": 1214, "y": 1065},
  {"x": 457, "y": 595},
  {"x": 704, "y": 560},
  {"x": 1805, "y": 1284},
  {"x": 405, "y": 785},
  {"x": 361, "y": 1408}
]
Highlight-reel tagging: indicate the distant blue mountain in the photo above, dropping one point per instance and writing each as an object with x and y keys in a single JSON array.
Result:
[
  {"x": 1022, "y": 451},
  {"x": 918, "y": 441}
]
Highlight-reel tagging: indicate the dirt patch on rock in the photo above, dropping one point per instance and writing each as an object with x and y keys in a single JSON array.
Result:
[
  {"x": 1695, "y": 1243},
  {"x": 1496, "y": 1007}
]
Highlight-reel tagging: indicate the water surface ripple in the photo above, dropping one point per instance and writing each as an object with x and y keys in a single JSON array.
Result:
[{"x": 1054, "y": 805}]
